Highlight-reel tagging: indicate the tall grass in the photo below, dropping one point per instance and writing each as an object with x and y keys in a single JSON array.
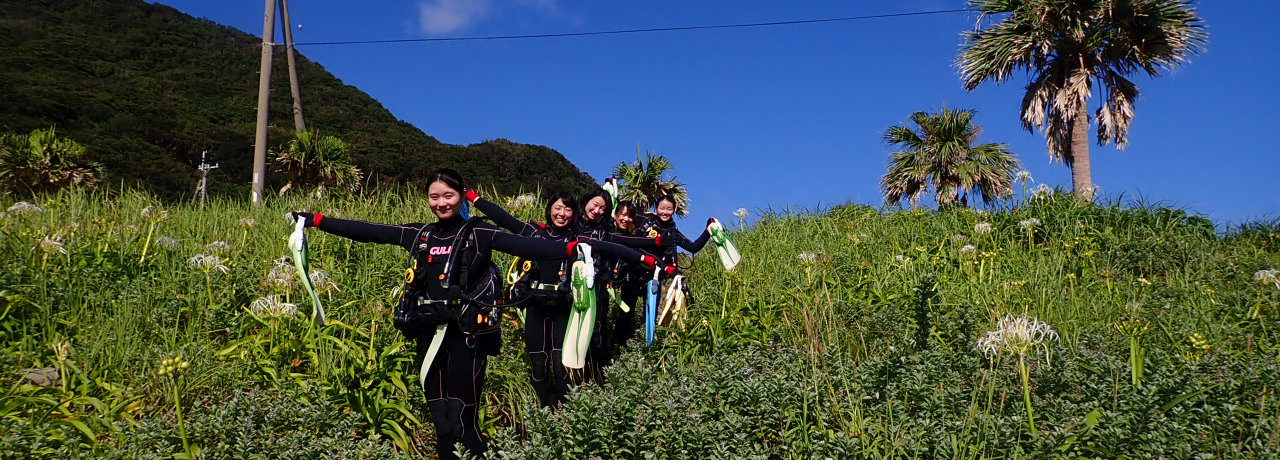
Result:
[{"x": 848, "y": 332}]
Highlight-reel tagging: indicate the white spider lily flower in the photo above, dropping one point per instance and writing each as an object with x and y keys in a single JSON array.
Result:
[
  {"x": 272, "y": 306},
  {"x": 248, "y": 223},
  {"x": 1029, "y": 223},
  {"x": 217, "y": 246},
  {"x": 167, "y": 242},
  {"x": 1268, "y": 276},
  {"x": 523, "y": 200},
  {"x": 1023, "y": 176},
  {"x": 741, "y": 213},
  {"x": 51, "y": 244},
  {"x": 154, "y": 214},
  {"x": 1041, "y": 191},
  {"x": 23, "y": 207},
  {"x": 207, "y": 263},
  {"x": 968, "y": 250},
  {"x": 901, "y": 259},
  {"x": 1017, "y": 335},
  {"x": 982, "y": 228},
  {"x": 807, "y": 257},
  {"x": 282, "y": 275},
  {"x": 322, "y": 282}
]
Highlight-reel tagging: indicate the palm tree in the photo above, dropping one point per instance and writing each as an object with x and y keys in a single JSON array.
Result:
[
  {"x": 40, "y": 162},
  {"x": 941, "y": 153},
  {"x": 310, "y": 160},
  {"x": 1071, "y": 47},
  {"x": 642, "y": 182}
]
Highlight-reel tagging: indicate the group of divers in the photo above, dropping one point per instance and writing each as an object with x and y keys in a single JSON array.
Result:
[{"x": 452, "y": 291}]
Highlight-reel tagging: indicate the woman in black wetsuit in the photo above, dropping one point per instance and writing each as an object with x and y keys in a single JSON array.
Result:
[
  {"x": 628, "y": 279},
  {"x": 662, "y": 224},
  {"x": 547, "y": 313},
  {"x": 454, "y": 379}
]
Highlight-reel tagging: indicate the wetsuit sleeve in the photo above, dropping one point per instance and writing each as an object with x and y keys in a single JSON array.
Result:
[
  {"x": 522, "y": 246},
  {"x": 503, "y": 218},
  {"x": 631, "y": 241},
  {"x": 691, "y": 246},
  {"x": 614, "y": 250},
  {"x": 367, "y": 232}
]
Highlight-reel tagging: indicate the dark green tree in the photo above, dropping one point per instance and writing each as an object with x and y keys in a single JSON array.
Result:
[{"x": 316, "y": 163}]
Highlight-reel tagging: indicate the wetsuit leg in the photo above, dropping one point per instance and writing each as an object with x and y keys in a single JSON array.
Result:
[
  {"x": 544, "y": 327},
  {"x": 598, "y": 356},
  {"x": 453, "y": 390}
]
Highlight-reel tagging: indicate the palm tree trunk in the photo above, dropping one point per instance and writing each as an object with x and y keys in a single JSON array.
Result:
[{"x": 1081, "y": 175}]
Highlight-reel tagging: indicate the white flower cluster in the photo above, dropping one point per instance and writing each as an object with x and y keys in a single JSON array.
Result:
[
  {"x": 207, "y": 263},
  {"x": 1268, "y": 276},
  {"x": 1023, "y": 176},
  {"x": 167, "y": 242},
  {"x": 217, "y": 246},
  {"x": 272, "y": 306},
  {"x": 1017, "y": 334},
  {"x": 281, "y": 275},
  {"x": 1041, "y": 191},
  {"x": 51, "y": 245},
  {"x": 982, "y": 228},
  {"x": 807, "y": 257},
  {"x": 741, "y": 213},
  {"x": 1029, "y": 223},
  {"x": 23, "y": 208},
  {"x": 321, "y": 281},
  {"x": 248, "y": 223},
  {"x": 968, "y": 250},
  {"x": 154, "y": 214},
  {"x": 522, "y": 201}
]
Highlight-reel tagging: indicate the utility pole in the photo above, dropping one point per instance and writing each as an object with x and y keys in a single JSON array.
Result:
[
  {"x": 298, "y": 125},
  {"x": 264, "y": 104},
  {"x": 203, "y": 188}
]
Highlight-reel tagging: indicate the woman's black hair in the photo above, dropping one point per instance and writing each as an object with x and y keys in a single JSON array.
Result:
[
  {"x": 598, "y": 192},
  {"x": 567, "y": 199},
  {"x": 626, "y": 206},
  {"x": 449, "y": 177}
]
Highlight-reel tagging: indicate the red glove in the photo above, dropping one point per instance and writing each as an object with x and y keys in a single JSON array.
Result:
[
  {"x": 570, "y": 247},
  {"x": 471, "y": 195},
  {"x": 311, "y": 219},
  {"x": 647, "y": 260},
  {"x": 670, "y": 270},
  {"x": 710, "y": 221}
]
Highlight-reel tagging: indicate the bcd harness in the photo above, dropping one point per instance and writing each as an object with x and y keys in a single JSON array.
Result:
[{"x": 476, "y": 312}]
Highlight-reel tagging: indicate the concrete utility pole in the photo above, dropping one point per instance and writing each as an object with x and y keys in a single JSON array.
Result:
[
  {"x": 298, "y": 125},
  {"x": 264, "y": 104}
]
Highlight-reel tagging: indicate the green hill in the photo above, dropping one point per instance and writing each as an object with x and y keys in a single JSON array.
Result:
[{"x": 147, "y": 88}]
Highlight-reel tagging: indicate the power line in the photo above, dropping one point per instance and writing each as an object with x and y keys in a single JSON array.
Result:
[{"x": 636, "y": 31}]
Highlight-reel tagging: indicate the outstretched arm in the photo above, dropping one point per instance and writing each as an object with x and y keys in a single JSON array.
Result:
[
  {"x": 361, "y": 231},
  {"x": 692, "y": 246},
  {"x": 503, "y": 218}
]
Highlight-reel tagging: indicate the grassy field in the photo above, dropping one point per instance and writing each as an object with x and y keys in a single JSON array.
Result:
[{"x": 1044, "y": 329}]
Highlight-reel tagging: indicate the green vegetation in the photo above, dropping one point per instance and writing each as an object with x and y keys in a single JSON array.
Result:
[
  {"x": 644, "y": 181},
  {"x": 146, "y": 88},
  {"x": 941, "y": 152},
  {"x": 314, "y": 163},
  {"x": 1071, "y": 49},
  {"x": 41, "y": 162},
  {"x": 851, "y": 333}
]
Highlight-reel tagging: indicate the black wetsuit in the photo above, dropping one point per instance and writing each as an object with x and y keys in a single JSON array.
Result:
[
  {"x": 547, "y": 313},
  {"x": 600, "y": 352},
  {"x": 455, "y": 379},
  {"x": 629, "y": 280},
  {"x": 650, "y": 225}
]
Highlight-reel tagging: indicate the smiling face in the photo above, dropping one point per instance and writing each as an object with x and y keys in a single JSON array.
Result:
[
  {"x": 665, "y": 210},
  {"x": 595, "y": 208},
  {"x": 444, "y": 200},
  {"x": 561, "y": 214},
  {"x": 623, "y": 220}
]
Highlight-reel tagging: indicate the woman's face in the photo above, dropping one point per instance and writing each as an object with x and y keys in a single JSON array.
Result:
[
  {"x": 594, "y": 208},
  {"x": 444, "y": 200},
  {"x": 665, "y": 210},
  {"x": 623, "y": 220},
  {"x": 561, "y": 214}
]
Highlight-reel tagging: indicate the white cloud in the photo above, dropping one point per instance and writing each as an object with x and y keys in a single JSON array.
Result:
[{"x": 439, "y": 17}]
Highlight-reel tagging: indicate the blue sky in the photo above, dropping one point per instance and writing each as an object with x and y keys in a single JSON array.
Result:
[{"x": 782, "y": 116}]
